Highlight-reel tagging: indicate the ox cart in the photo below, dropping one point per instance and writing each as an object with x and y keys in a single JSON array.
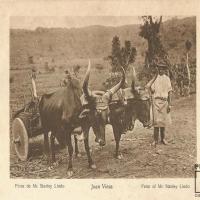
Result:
[{"x": 26, "y": 124}]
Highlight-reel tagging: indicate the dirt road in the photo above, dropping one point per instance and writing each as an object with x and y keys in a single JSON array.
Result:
[{"x": 140, "y": 159}]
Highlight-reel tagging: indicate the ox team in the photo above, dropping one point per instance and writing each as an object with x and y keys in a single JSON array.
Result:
[{"x": 74, "y": 106}]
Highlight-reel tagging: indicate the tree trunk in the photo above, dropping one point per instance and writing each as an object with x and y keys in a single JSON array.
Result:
[{"x": 188, "y": 72}]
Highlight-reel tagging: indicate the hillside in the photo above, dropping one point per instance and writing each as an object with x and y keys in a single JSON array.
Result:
[
  {"x": 62, "y": 44},
  {"x": 175, "y": 33}
]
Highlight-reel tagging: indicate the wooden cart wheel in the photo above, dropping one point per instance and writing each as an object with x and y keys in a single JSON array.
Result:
[{"x": 20, "y": 138}]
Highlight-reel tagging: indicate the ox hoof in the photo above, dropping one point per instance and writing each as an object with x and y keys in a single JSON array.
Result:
[
  {"x": 119, "y": 157},
  {"x": 78, "y": 155},
  {"x": 93, "y": 166},
  {"x": 70, "y": 173}
]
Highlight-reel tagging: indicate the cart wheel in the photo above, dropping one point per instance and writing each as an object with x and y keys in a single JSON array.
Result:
[{"x": 20, "y": 138}]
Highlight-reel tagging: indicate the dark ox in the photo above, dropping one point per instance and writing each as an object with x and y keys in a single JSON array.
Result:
[
  {"x": 135, "y": 105},
  {"x": 123, "y": 113},
  {"x": 99, "y": 101},
  {"x": 62, "y": 111},
  {"x": 138, "y": 104}
]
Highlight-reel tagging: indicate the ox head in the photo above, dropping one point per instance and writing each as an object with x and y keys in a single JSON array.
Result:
[
  {"x": 98, "y": 102},
  {"x": 141, "y": 101}
]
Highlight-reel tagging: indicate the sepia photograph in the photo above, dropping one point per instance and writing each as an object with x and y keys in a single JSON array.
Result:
[{"x": 102, "y": 97}]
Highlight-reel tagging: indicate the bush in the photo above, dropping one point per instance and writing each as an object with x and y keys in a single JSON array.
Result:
[
  {"x": 49, "y": 69},
  {"x": 76, "y": 68},
  {"x": 111, "y": 81},
  {"x": 99, "y": 67},
  {"x": 30, "y": 60}
]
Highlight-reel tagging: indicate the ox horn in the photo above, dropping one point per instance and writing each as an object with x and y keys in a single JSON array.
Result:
[
  {"x": 120, "y": 84},
  {"x": 86, "y": 80},
  {"x": 133, "y": 78}
]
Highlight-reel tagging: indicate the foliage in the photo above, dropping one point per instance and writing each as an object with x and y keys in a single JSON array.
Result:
[
  {"x": 121, "y": 56},
  {"x": 99, "y": 67},
  {"x": 30, "y": 60},
  {"x": 188, "y": 45},
  {"x": 76, "y": 68},
  {"x": 150, "y": 31},
  {"x": 48, "y": 68},
  {"x": 112, "y": 80}
]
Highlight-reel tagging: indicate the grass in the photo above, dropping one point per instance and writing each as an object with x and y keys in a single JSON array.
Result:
[{"x": 20, "y": 86}]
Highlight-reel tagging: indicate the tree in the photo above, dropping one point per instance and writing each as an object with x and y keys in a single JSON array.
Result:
[
  {"x": 150, "y": 31},
  {"x": 116, "y": 54},
  {"x": 128, "y": 54},
  {"x": 188, "y": 46},
  {"x": 122, "y": 56}
]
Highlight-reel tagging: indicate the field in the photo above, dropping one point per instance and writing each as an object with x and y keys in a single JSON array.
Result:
[{"x": 140, "y": 159}]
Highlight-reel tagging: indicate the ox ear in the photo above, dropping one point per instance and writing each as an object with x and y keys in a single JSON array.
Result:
[{"x": 84, "y": 113}]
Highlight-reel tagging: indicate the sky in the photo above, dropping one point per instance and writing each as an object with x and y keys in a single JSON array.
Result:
[{"x": 22, "y": 22}]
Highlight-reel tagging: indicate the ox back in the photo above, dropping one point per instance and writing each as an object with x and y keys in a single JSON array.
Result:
[
  {"x": 59, "y": 110},
  {"x": 61, "y": 107}
]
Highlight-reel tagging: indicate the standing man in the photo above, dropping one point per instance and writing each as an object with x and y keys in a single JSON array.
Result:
[{"x": 161, "y": 91}]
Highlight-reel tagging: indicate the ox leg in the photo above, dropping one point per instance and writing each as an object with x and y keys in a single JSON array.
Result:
[
  {"x": 70, "y": 151},
  {"x": 46, "y": 147},
  {"x": 87, "y": 149},
  {"x": 53, "y": 157},
  {"x": 76, "y": 147},
  {"x": 117, "y": 136}
]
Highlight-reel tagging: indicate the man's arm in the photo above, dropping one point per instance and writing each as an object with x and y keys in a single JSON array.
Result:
[
  {"x": 169, "y": 97},
  {"x": 169, "y": 101}
]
